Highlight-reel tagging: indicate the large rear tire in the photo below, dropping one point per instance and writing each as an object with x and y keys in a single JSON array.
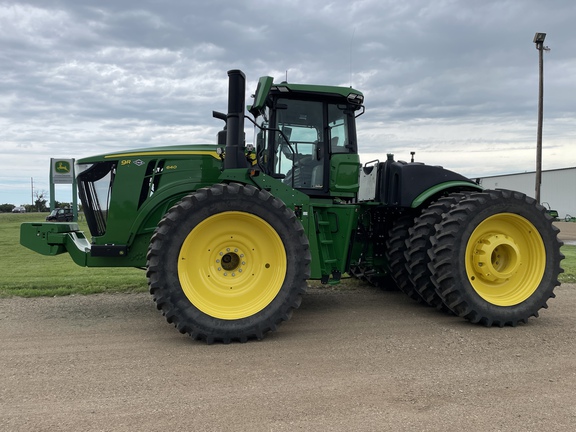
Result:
[
  {"x": 396, "y": 256},
  {"x": 228, "y": 262},
  {"x": 495, "y": 258},
  {"x": 418, "y": 245}
]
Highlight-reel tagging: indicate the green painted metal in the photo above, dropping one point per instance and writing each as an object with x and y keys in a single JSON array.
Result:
[
  {"x": 262, "y": 91},
  {"x": 325, "y": 91},
  {"x": 442, "y": 187},
  {"x": 46, "y": 238},
  {"x": 178, "y": 151},
  {"x": 312, "y": 212},
  {"x": 344, "y": 175},
  {"x": 329, "y": 232},
  {"x": 147, "y": 183}
]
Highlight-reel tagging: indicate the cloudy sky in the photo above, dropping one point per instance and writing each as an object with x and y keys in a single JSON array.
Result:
[{"x": 454, "y": 81}]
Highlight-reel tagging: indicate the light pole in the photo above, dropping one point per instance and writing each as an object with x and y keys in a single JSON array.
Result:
[{"x": 539, "y": 41}]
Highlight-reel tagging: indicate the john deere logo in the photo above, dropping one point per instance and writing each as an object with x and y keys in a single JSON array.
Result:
[{"x": 62, "y": 167}]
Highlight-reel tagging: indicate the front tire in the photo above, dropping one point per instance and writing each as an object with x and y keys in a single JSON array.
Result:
[
  {"x": 228, "y": 262},
  {"x": 495, "y": 258}
]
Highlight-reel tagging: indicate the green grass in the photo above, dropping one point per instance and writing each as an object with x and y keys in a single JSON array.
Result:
[
  {"x": 27, "y": 274},
  {"x": 569, "y": 264}
]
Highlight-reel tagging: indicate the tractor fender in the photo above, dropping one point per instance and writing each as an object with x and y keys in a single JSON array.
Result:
[{"x": 157, "y": 205}]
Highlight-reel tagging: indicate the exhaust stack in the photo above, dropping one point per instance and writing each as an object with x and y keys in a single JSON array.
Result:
[{"x": 235, "y": 157}]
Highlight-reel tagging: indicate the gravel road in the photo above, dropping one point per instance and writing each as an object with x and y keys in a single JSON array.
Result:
[
  {"x": 567, "y": 232},
  {"x": 351, "y": 359}
]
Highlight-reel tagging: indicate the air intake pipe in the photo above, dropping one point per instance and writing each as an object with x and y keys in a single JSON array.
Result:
[{"x": 235, "y": 157}]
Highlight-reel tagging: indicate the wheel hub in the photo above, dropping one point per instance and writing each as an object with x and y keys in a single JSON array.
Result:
[
  {"x": 230, "y": 262},
  {"x": 496, "y": 257}
]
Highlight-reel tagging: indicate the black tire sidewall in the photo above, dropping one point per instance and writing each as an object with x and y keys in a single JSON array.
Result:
[{"x": 418, "y": 245}]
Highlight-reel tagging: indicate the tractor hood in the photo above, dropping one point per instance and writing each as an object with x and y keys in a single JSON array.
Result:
[{"x": 168, "y": 151}]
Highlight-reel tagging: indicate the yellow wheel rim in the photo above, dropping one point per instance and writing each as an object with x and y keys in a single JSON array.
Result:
[
  {"x": 505, "y": 259},
  {"x": 232, "y": 265}
]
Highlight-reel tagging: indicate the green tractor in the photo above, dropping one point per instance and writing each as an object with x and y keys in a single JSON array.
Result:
[{"x": 229, "y": 233}]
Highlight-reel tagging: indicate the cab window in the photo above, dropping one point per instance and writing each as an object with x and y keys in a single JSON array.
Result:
[
  {"x": 298, "y": 143},
  {"x": 337, "y": 129}
]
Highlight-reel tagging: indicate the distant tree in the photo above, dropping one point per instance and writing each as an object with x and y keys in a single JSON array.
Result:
[
  {"x": 59, "y": 204},
  {"x": 40, "y": 201},
  {"x": 6, "y": 208}
]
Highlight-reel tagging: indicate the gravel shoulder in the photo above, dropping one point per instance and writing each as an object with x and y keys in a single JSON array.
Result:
[
  {"x": 355, "y": 358},
  {"x": 567, "y": 232}
]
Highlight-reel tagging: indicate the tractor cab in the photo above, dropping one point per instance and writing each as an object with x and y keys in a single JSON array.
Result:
[{"x": 305, "y": 136}]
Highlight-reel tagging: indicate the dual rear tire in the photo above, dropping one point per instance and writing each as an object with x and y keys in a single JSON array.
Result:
[
  {"x": 495, "y": 258},
  {"x": 491, "y": 257}
]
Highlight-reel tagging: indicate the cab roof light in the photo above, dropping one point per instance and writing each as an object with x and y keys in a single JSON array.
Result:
[
  {"x": 282, "y": 89},
  {"x": 355, "y": 98}
]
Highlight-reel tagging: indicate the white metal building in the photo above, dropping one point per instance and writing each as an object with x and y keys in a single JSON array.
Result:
[{"x": 558, "y": 187}]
